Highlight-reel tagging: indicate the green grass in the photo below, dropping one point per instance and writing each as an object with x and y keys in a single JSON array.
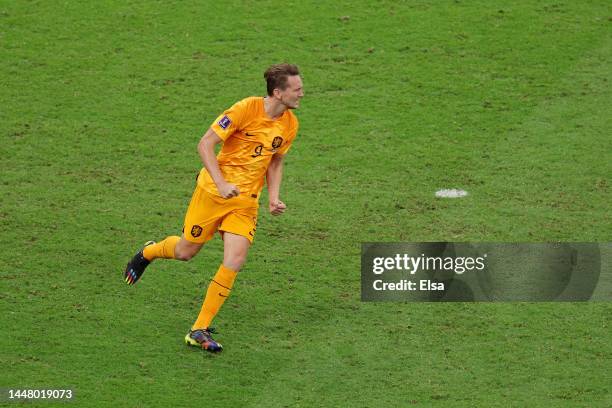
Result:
[{"x": 103, "y": 105}]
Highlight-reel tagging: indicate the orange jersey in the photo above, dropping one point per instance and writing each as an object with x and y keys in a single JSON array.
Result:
[{"x": 250, "y": 139}]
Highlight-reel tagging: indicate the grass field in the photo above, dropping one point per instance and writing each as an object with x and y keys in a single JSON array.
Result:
[{"x": 103, "y": 104}]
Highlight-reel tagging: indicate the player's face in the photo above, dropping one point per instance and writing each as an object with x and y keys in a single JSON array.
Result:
[{"x": 291, "y": 95}]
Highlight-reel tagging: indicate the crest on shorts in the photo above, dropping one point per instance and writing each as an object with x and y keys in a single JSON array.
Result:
[
  {"x": 224, "y": 122},
  {"x": 196, "y": 231},
  {"x": 277, "y": 142}
]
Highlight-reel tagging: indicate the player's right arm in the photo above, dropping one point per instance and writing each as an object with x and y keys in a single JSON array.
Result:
[{"x": 206, "y": 149}]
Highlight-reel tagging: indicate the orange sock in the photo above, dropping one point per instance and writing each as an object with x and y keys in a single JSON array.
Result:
[
  {"x": 218, "y": 290},
  {"x": 163, "y": 249}
]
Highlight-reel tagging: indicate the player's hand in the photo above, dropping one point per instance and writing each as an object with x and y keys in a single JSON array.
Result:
[
  {"x": 228, "y": 190},
  {"x": 277, "y": 207}
]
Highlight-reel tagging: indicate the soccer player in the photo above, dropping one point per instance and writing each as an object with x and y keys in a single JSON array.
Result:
[{"x": 256, "y": 133}]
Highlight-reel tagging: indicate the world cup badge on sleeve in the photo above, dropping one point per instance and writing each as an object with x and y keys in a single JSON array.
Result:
[{"x": 224, "y": 122}]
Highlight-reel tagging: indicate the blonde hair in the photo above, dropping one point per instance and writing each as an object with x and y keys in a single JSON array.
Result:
[{"x": 276, "y": 76}]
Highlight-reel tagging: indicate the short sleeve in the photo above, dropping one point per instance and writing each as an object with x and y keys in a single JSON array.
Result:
[
  {"x": 231, "y": 120},
  {"x": 291, "y": 136}
]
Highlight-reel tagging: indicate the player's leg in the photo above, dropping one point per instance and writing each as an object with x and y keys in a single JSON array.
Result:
[
  {"x": 201, "y": 222},
  {"x": 235, "y": 250},
  {"x": 164, "y": 249},
  {"x": 185, "y": 250},
  {"x": 172, "y": 247},
  {"x": 238, "y": 229}
]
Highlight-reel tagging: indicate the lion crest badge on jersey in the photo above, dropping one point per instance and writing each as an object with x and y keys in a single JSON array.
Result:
[
  {"x": 224, "y": 122},
  {"x": 196, "y": 231},
  {"x": 277, "y": 142}
]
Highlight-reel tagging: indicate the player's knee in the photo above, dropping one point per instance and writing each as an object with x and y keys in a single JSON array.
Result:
[
  {"x": 186, "y": 250},
  {"x": 235, "y": 261},
  {"x": 185, "y": 254}
]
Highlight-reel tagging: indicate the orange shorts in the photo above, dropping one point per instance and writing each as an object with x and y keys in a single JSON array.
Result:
[{"x": 208, "y": 213}]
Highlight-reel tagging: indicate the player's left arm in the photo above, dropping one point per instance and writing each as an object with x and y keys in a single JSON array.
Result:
[{"x": 274, "y": 176}]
